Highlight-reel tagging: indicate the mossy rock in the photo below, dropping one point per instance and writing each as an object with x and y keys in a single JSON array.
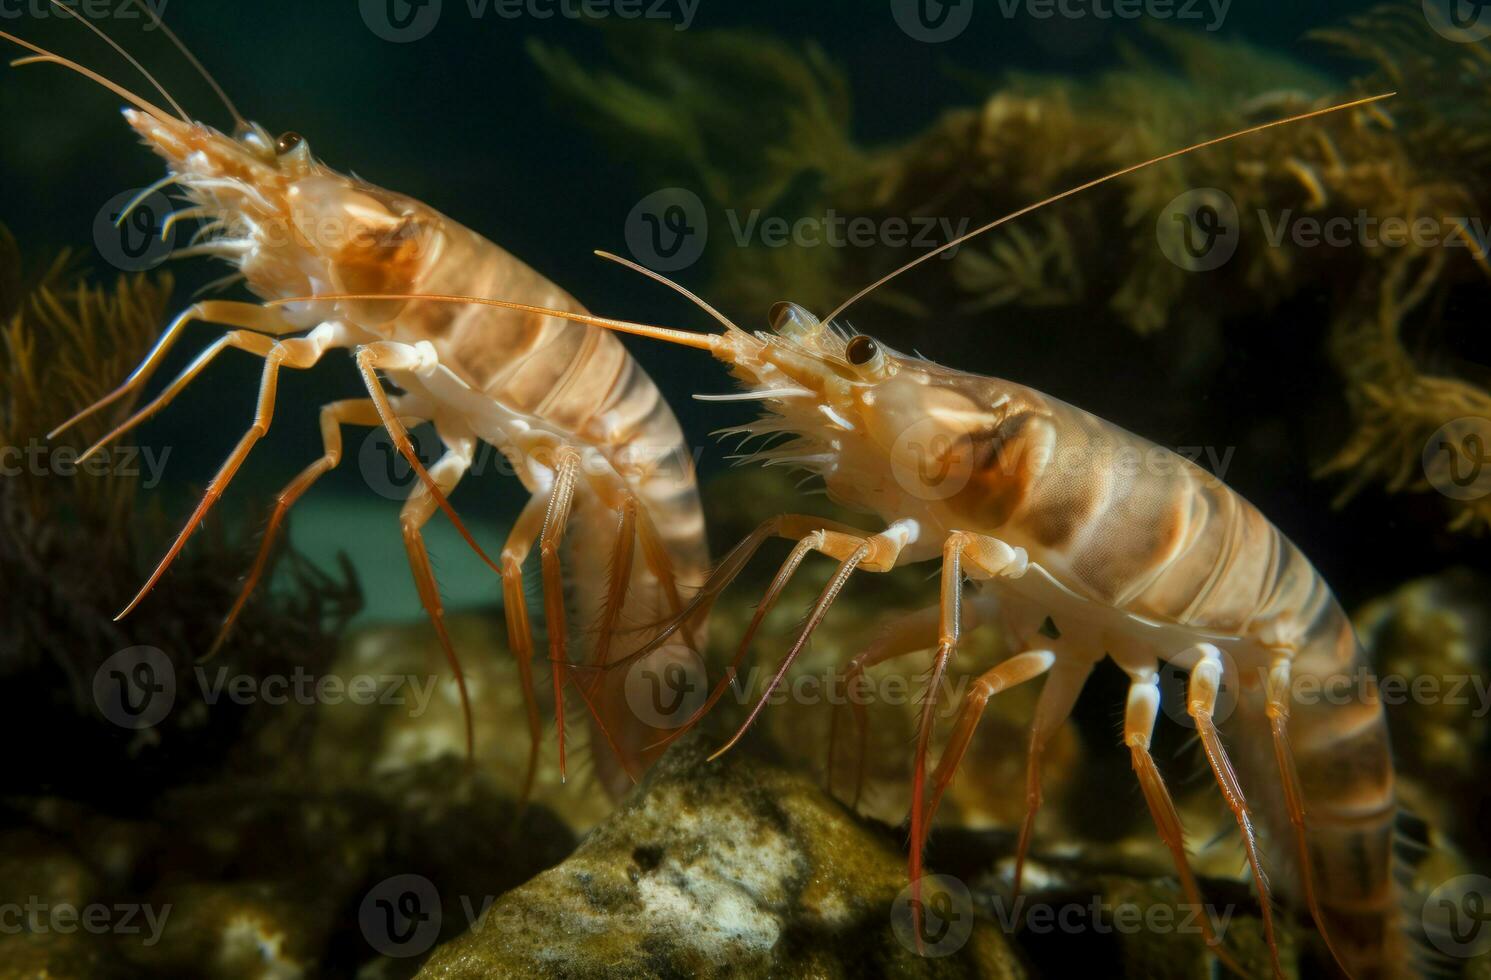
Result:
[{"x": 735, "y": 867}]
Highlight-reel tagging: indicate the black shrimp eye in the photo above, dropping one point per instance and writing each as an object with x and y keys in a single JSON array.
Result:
[
  {"x": 861, "y": 350},
  {"x": 287, "y": 142}
]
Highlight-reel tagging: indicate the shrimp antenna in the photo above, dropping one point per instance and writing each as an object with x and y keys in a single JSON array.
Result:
[
  {"x": 685, "y": 338},
  {"x": 1355, "y": 103},
  {"x": 156, "y": 19},
  {"x": 659, "y": 277},
  {"x": 125, "y": 54},
  {"x": 43, "y": 56}
]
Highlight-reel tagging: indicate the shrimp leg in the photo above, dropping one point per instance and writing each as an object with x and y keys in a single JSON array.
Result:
[
  {"x": 249, "y": 316},
  {"x": 1278, "y": 693},
  {"x": 296, "y": 353},
  {"x": 418, "y": 509},
  {"x": 353, "y": 411},
  {"x": 520, "y": 539},
  {"x": 877, "y": 552},
  {"x": 561, "y": 500},
  {"x": 1205, "y": 682},
  {"x": 1138, "y": 727},
  {"x": 908, "y": 634},
  {"x": 986, "y": 558}
]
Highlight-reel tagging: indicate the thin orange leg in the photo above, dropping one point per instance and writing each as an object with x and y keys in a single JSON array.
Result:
[
  {"x": 354, "y": 411},
  {"x": 1058, "y": 696},
  {"x": 790, "y": 526},
  {"x": 1294, "y": 799},
  {"x": 295, "y": 353},
  {"x": 906, "y": 635},
  {"x": 249, "y": 316},
  {"x": 877, "y": 553},
  {"x": 1010, "y": 673},
  {"x": 418, "y": 510},
  {"x": 556, "y": 518},
  {"x": 1139, "y": 719},
  {"x": 388, "y": 355},
  {"x": 623, "y": 551},
  {"x": 1201, "y": 702},
  {"x": 520, "y": 539}
]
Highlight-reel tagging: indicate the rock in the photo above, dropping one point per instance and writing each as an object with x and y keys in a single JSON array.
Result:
[{"x": 735, "y": 867}]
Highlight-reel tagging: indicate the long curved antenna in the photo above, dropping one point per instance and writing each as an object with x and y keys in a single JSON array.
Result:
[
  {"x": 125, "y": 54},
  {"x": 676, "y": 287},
  {"x": 1355, "y": 103},
  {"x": 155, "y": 18},
  {"x": 686, "y": 338},
  {"x": 43, "y": 56}
]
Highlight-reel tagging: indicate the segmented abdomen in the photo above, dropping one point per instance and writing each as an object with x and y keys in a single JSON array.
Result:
[
  {"x": 1148, "y": 532},
  {"x": 579, "y": 381}
]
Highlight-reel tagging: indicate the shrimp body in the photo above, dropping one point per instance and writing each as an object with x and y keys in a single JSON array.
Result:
[
  {"x": 1086, "y": 541},
  {"x": 614, "y": 512},
  {"x": 1135, "y": 551}
]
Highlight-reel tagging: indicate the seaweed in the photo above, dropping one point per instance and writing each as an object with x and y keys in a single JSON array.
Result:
[{"x": 77, "y": 539}]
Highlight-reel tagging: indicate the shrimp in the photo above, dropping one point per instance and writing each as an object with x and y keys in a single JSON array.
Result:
[
  {"x": 1081, "y": 555},
  {"x": 586, "y": 430}
]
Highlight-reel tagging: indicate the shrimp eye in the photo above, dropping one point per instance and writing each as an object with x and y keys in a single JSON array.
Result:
[
  {"x": 288, "y": 142},
  {"x": 861, "y": 350}
]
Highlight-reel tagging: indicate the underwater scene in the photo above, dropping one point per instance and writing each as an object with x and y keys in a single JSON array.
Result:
[{"x": 688, "y": 488}]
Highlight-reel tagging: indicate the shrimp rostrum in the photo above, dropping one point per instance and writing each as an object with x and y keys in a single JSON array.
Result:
[
  {"x": 614, "y": 511},
  {"x": 1039, "y": 518}
]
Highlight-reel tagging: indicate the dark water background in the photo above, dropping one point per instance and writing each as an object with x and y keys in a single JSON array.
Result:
[{"x": 462, "y": 120}]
